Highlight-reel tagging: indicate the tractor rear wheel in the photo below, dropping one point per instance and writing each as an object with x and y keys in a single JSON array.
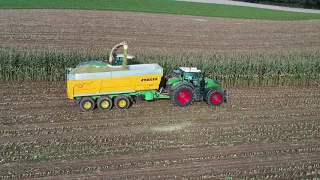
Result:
[
  {"x": 182, "y": 96},
  {"x": 214, "y": 97},
  {"x": 122, "y": 102},
  {"x": 104, "y": 103},
  {"x": 87, "y": 104}
]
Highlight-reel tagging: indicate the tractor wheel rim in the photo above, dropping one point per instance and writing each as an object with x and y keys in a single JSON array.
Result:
[
  {"x": 122, "y": 103},
  {"x": 184, "y": 97},
  {"x": 105, "y": 104},
  {"x": 87, "y": 105},
  {"x": 216, "y": 98}
]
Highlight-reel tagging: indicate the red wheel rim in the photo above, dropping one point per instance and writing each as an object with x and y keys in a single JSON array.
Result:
[
  {"x": 216, "y": 98},
  {"x": 184, "y": 96}
]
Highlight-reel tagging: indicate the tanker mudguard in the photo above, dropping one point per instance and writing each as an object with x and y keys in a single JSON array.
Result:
[{"x": 176, "y": 85}]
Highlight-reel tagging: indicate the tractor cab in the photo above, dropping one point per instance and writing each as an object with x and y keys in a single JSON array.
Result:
[
  {"x": 118, "y": 59},
  {"x": 189, "y": 74}
]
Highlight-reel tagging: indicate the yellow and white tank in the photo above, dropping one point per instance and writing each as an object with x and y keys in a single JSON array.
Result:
[{"x": 138, "y": 77}]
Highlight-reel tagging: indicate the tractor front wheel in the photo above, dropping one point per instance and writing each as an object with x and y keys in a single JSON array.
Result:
[
  {"x": 122, "y": 102},
  {"x": 183, "y": 96},
  {"x": 214, "y": 97},
  {"x": 87, "y": 104}
]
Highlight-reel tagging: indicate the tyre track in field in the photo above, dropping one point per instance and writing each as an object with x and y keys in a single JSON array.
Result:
[{"x": 178, "y": 161}]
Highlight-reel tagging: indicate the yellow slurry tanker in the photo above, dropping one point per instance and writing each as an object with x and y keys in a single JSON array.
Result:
[{"x": 104, "y": 85}]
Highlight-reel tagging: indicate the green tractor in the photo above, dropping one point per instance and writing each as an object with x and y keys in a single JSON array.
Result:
[{"x": 190, "y": 85}]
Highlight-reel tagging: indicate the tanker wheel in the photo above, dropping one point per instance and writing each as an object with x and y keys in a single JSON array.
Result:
[
  {"x": 87, "y": 104},
  {"x": 182, "y": 96},
  {"x": 122, "y": 102},
  {"x": 104, "y": 103},
  {"x": 214, "y": 97}
]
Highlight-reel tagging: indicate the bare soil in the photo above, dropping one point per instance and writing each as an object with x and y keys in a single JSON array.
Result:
[
  {"x": 79, "y": 29},
  {"x": 267, "y": 132}
]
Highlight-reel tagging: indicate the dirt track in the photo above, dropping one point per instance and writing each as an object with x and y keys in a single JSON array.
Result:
[
  {"x": 256, "y": 5},
  {"x": 261, "y": 132},
  {"x": 143, "y": 31}
]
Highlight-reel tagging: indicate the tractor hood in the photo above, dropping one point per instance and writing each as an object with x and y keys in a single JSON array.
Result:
[{"x": 212, "y": 83}]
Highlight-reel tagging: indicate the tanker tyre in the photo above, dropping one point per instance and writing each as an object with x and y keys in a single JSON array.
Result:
[
  {"x": 122, "y": 102},
  {"x": 87, "y": 104},
  {"x": 183, "y": 96},
  {"x": 104, "y": 103}
]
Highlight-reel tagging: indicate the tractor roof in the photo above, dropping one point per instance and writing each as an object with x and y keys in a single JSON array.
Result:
[
  {"x": 190, "y": 69},
  {"x": 128, "y": 56}
]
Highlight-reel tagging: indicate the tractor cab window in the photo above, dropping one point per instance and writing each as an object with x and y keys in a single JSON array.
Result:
[{"x": 191, "y": 76}]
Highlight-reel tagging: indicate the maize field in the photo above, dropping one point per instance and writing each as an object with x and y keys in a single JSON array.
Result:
[{"x": 238, "y": 69}]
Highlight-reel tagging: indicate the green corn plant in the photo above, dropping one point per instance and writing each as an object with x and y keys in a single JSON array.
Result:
[{"x": 233, "y": 69}]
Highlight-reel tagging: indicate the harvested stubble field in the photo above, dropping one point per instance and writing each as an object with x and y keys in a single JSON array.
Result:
[
  {"x": 262, "y": 132},
  {"x": 153, "y": 32},
  {"x": 267, "y": 132}
]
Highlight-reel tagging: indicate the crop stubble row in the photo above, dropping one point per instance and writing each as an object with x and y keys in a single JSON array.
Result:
[
  {"x": 114, "y": 125},
  {"x": 68, "y": 148},
  {"x": 246, "y": 160},
  {"x": 74, "y": 135}
]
